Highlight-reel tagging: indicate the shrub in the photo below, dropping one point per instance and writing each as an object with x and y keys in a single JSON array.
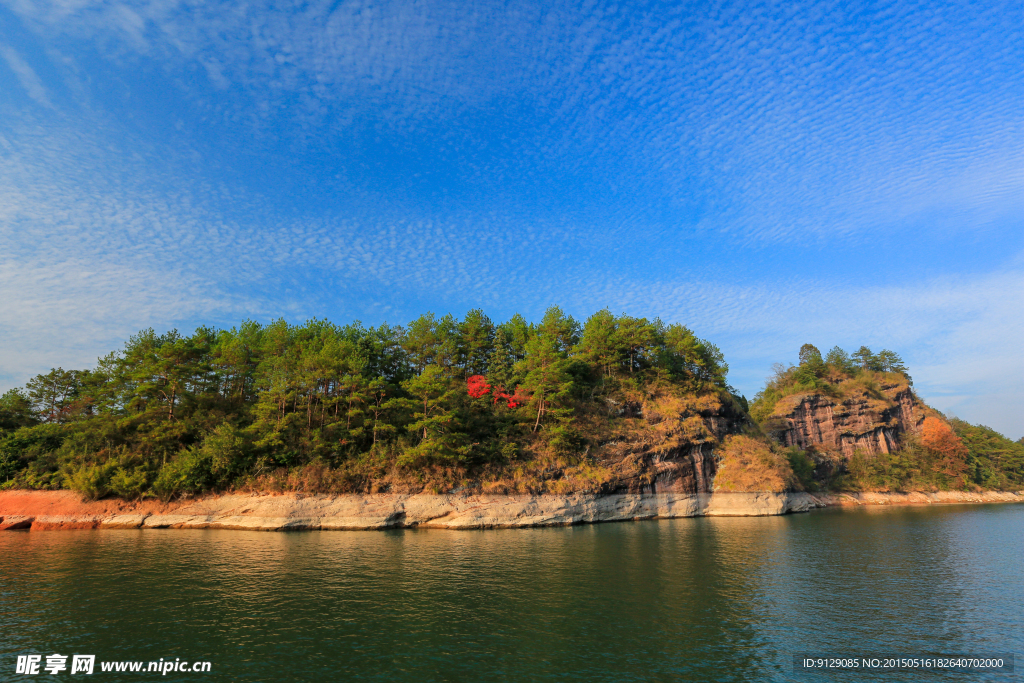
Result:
[
  {"x": 225, "y": 449},
  {"x": 565, "y": 440},
  {"x": 92, "y": 481},
  {"x": 803, "y": 468},
  {"x": 510, "y": 451},
  {"x": 752, "y": 465},
  {"x": 10, "y": 464},
  {"x": 764, "y": 403},
  {"x": 993, "y": 461},
  {"x": 131, "y": 484},
  {"x": 445, "y": 449},
  {"x": 188, "y": 473}
]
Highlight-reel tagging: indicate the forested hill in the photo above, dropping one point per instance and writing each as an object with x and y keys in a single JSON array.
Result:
[{"x": 433, "y": 405}]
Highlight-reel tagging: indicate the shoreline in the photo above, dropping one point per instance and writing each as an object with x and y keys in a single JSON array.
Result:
[{"x": 64, "y": 510}]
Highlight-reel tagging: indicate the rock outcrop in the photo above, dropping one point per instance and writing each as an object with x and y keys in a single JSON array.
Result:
[
  {"x": 673, "y": 451},
  {"x": 62, "y": 510},
  {"x": 862, "y": 420}
]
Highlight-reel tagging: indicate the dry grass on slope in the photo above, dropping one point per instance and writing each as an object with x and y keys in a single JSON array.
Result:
[{"x": 750, "y": 465}]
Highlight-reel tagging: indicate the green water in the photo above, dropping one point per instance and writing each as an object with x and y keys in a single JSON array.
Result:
[{"x": 726, "y": 599}]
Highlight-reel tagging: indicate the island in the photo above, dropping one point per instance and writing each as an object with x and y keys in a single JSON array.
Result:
[{"x": 467, "y": 423}]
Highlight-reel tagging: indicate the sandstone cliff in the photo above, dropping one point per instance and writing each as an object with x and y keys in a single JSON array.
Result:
[
  {"x": 669, "y": 444},
  {"x": 871, "y": 419}
]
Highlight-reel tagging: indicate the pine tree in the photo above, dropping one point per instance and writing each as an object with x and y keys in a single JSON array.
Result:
[
  {"x": 634, "y": 336},
  {"x": 865, "y": 358},
  {"x": 890, "y": 361},
  {"x": 435, "y": 418},
  {"x": 599, "y": 343},
  {"x": 477, "y": 337},
  {"x": 518, "y": 332},
  {"x": 501, "y": 365},
  {"x": 16, "y": 410},
  {"x": 547, "y": 381},
  {"x": 51, "y": 395},
  {"x": 810, "y": 356},
  {"x": 840, "y": 360},
  {"x": 382, "y": 404},
  {"x": 421, "y": 342}
]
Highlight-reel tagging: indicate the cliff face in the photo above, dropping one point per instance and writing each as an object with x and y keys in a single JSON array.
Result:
[
  {"x": 862, "y": 419},
  {"x": 671, "y": 449}
]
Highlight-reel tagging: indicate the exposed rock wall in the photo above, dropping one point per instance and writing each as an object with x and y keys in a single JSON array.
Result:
[
  {"x": 860, "y": 421},
  {"x": 690, "y": 471},
  {"x": 676, "y": 454}
]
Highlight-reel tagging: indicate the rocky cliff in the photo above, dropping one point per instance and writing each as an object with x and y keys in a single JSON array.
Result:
[
  {"x": 858, "y": 417},
  {"x": 669, "y": 447}
]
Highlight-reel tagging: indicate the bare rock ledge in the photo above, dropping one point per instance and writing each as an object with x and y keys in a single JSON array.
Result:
[{"x": 55, "y": 510}]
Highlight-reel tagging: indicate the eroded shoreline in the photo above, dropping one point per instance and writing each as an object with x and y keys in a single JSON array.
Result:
[{"x": 54, "y": 510}]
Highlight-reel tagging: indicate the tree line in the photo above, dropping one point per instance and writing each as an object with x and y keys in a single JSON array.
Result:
[
  {"x": 824, "y": 374},
  {"x": 837, "y": 361},
  {"x": 172, "y": 413}
]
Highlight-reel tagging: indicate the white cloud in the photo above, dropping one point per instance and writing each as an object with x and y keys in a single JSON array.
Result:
[
  {"x": 960, "y": 335},
  {"x": 808, "y": 124},
  {"x": 89, "y": 262},
  {"x": 749, "y": 124},
  {"x": 26, "y": 75}
]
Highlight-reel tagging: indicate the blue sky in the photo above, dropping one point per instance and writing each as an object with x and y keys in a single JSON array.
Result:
[{"x": 767, "y": 173}]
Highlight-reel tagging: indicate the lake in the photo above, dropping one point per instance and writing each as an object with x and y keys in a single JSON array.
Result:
[{"x": 703, "y": 599}]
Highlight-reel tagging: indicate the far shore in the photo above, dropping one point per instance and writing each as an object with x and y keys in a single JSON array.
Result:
[{"x": 57, "y": 510}]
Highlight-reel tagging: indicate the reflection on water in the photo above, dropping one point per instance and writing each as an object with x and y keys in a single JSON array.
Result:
[{"x": 696, "y": 599}]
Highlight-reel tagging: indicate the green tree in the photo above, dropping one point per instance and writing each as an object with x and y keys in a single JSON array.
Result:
[
  {"x": 501, "y": 370},
  {"x": 890, "y": 361},
  {"x": 435, "y": 418},
  {"x": 711, "y": 366},
  {"x": 16, "y": 410},
  {"x": 547, "y": 379},
  {"x": 840, "y": 360},
  {"x": 235, "y": 357},
  {"x": 382, "y": 406},
  {"x": 476, "y": 333},
  {"x": 274, "y": 413},
  {"x": 384, "y": 352},
  {"x": 810, "y": 356},
  {"x": 811, "y": 366},
  {"x": 518, "y": 332},
  {"x": 167, "y": 370},
  {"x": 635, "y": 336},
  {"x": 449, "y": 350},
  {"x": 421, "y": 342},
  {"x": 685, "y": 356},
  {"x": 53, "y": 394},
  {"x": 599, "y": 342},
  {"x": 865, "y": 358},
  {"x": 560, "y": 328}
]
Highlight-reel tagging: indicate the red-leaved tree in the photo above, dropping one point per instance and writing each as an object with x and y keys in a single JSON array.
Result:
[
  {"x": 514, "y": 400},
  {"x": 477, "y": 386}
]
